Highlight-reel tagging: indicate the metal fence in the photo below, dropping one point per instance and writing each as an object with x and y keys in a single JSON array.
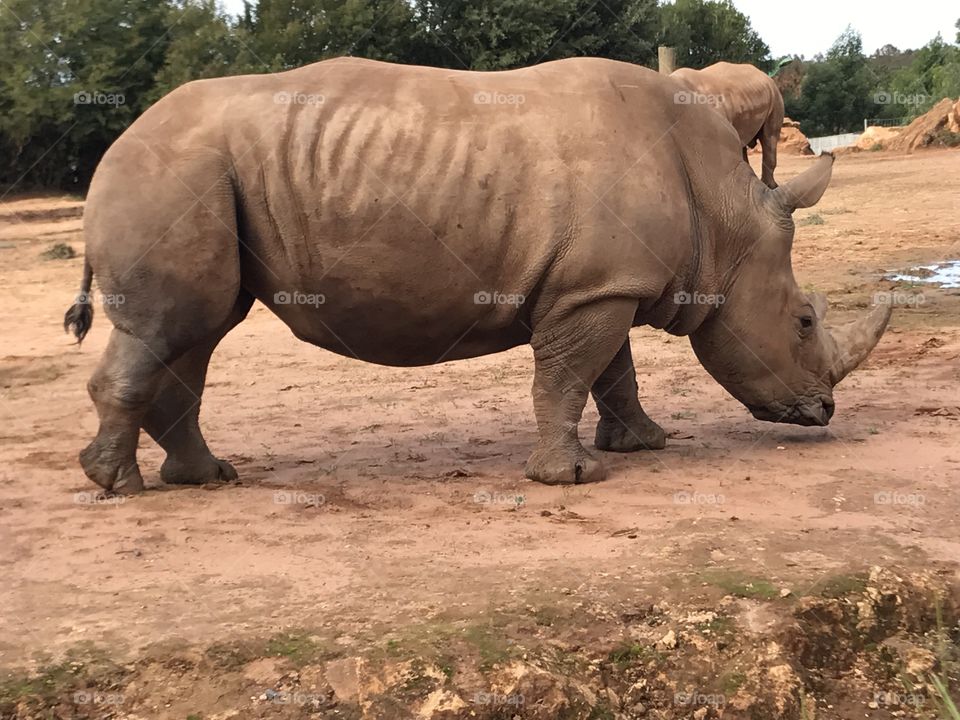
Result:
[{"x": 885, "y": 122}]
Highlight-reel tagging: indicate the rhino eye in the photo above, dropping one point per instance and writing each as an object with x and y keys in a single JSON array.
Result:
[{"x": 806, "y": 322}]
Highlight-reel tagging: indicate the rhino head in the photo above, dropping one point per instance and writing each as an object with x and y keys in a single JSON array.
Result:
[{"x": 767, "y": 343}]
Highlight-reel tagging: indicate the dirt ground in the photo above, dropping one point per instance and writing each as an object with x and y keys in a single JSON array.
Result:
[{"x": 382, "y": 555}]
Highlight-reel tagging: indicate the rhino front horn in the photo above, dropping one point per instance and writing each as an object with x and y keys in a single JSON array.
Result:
[{"x": 857, "y": 339}]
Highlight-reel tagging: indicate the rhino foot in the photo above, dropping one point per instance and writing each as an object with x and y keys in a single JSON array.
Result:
[
  {"x": 210, "y": 469},
  {"x": 616, "y": 436},
  {"x": 114, "y": 475},
  {"x": 556, "y": 467}
]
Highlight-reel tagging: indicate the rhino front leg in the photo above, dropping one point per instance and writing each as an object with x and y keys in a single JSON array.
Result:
[
  {"x": 570, "y": 352},
  {"x": 623, "y": 426}
]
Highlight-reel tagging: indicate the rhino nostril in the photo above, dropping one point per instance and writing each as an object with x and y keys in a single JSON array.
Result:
[{"x": 828, "y": 407}]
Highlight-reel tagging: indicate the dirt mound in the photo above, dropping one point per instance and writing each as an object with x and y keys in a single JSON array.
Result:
[
  {"x": 792, "y": 141},
  {"x": 930, "y": 128},
  {"x": 874, "y": 137}
]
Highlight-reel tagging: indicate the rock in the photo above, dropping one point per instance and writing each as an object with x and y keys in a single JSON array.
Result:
[
  {"x": 668, "y": 641},
  {"x": 785, "y": 592},
  {"x": 266, "y": 671},
  {"x": 441, "y": 703},
  {"x": 344, "y": 677},
  {"x": 920, "y": 662}
]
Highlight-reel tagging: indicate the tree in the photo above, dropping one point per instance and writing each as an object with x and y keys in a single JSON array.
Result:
[
  {"x": 289, "y": 33},
  {"x": 836, "y": 93},
  {"x": 203, "y": 43},
  {"x": 500, "y": 34},
  {"x": 73, "y": 75},
  {"x": 708, "y": 31}
]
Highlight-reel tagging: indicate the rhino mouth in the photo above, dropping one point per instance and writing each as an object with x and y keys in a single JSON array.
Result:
[{"x": 813, "y": 412}]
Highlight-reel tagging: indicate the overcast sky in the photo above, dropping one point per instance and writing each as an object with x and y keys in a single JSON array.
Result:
[{"x": 806, "y": 27}]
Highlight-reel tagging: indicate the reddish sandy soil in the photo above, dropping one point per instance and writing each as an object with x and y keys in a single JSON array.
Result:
[{"x": 373, "y": 499}]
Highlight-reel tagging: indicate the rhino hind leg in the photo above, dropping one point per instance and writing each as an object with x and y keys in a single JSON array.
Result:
[
  {"x": 173, "y": 417},
  {"x": 623, "y": 426},
  {"x": 570, "y": 353},
  {"x": 122, "y": 388}
]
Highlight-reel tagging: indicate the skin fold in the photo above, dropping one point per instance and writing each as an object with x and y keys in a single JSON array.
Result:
[
  {"x": 408, "y": 216},
  {"x": 747, "y": 98}
]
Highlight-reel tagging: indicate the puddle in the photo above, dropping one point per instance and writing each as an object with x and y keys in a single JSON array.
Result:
[{"x": 945, "y": 274}]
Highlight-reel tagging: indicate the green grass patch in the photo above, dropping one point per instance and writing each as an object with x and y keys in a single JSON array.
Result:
[
  {"x": 742, "y": 585},
  {"x": 814, "y": 219},
  {"x": 299, "y": 647},
  {"x": 60, "y": 251},
  {"x": 838, "y": 586},
  {"x": 629, "y": 654}
]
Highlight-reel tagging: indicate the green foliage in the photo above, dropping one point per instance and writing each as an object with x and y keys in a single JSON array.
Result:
[
  {"x": 500, "y": 34},
  {"x": 843, "y": 88},
  {"x": 706, "y": 31},
  {"x": 836, "y": 93},
  {"x": 75, "y": 73}
]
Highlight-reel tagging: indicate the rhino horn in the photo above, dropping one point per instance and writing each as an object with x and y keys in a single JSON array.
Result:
[
  {"x": 855, "y": 340},
  {"x": 806, "y": 189}
]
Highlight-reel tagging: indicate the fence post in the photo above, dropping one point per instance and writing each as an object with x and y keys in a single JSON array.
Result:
[{"x": 665, "y": 59}]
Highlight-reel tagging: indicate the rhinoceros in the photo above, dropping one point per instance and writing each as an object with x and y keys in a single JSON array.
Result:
[
  {"x": 747, "y": 97},
  {"x": 409, "y": 216}
]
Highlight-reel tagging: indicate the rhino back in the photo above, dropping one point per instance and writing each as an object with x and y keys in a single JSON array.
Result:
[{"x": 402, "y": 194}]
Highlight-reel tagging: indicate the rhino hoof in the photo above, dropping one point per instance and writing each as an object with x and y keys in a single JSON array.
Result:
[
  {"x": 615, "y": 436},
  {"x": 110, "y": 474},
  {"x": 553, "y": 468},
  {"x": 210, "y": 470}
]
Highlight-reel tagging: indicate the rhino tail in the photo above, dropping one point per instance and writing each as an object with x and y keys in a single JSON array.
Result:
[{"x": 80, "y": 315}]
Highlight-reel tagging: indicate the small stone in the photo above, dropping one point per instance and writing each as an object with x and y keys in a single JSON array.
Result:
[
  {"x": 668, "y": 641},
  {"x": 785, "y": 592}
]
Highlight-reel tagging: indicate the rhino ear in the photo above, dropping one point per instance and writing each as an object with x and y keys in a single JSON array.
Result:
[
  {"x": 819, "y": 302},
  {"x": 808, "y": 187}
]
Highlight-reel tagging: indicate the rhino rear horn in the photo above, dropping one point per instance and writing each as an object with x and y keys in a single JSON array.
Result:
[
  {"x": 856, "y": 340},
  {"x": 806, "y": 189}
]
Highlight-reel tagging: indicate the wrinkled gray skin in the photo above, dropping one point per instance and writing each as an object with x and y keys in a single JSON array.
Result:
[{"x": 400, "y": 193}]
